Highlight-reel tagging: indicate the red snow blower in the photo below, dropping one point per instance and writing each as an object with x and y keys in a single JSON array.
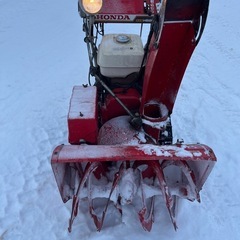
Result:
[{"x": 121, "y": 146}]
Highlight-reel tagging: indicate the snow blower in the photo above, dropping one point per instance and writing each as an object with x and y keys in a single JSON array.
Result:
[{"x": 121, "y": 147}]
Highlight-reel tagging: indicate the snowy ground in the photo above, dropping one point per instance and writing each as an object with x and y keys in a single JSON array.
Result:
[{"x": 42, "y": 56}]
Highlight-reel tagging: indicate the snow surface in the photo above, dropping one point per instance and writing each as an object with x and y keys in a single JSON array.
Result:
[{"x": 42, "y": 56}]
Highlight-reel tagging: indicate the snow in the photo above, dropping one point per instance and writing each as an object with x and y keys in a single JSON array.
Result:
[
  {"x": 128, "y": 186},
  {"x": 42, "y": 56},
  {"x": 83, "y": 108}
]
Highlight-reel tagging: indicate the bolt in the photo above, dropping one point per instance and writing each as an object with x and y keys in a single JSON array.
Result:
[{"x": 180, "y": 141}]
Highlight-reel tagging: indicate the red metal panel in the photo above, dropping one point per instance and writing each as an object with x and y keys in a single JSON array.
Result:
[
  {"x": 82, "y": 116},
  {"x": 122, "y": 7},
  {"x": 111, "y": 108}
]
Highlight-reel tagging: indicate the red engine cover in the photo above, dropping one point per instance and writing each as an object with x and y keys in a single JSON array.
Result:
[{"x": 111, "y": 108}]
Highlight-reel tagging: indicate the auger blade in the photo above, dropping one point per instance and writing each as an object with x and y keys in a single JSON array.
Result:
[
  {"x": 146, "y": 215},
  {"x": 165, "y": 191},
  {"x": 99, "y": 221},
  {"x": 75, "y": 204}
]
